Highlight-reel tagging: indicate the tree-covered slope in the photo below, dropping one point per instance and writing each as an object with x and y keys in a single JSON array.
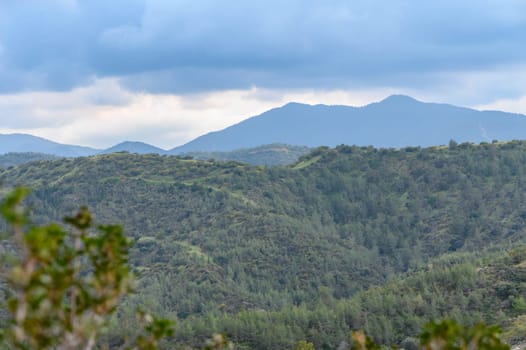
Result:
[
  {"x": 488, "y": 287},
  {"x": 12, "y": 159},
  {"x": 274, "y": 154},
  {"x": 134, "y": 147},
  {"x": 216, "y": 237}
]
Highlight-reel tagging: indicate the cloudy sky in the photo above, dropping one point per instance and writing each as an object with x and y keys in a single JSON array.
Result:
[{"x": 96, "y": 72}]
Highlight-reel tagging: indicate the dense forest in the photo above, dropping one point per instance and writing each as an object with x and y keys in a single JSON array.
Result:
[{"x": 345, "y": 238}]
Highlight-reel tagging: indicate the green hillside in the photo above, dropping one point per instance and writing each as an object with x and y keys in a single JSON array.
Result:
[
  {"x": 273, "y": 154},
  {"x": 12, "y": 159},
  {"x": 218, "y": 238},
  {"x": 467, "y": 287}
]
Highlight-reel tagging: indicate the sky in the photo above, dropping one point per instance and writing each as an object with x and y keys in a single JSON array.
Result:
[{"x": 97, "y": 72}]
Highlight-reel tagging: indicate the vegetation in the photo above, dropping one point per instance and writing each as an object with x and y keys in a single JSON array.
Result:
[
  {"x": 347, "y": 238},
  {"x": 59, "y": 303},
  {"x": 273, "y": 154},
  {"x": 12, "y": 159},
  {"x": 65, "y": 285},
  {"x": 464, "y": 288}
]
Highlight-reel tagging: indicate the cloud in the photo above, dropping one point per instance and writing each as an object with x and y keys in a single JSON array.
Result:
[
  {"x": 104, "y": 113},
  {"x": 517, "y": 105},
  {"x": 97, "y": 72},
  {"x": 163, "y": 46}
]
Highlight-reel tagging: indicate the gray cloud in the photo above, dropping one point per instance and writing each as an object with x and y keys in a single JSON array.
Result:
[{"x": 187, "y": 46}]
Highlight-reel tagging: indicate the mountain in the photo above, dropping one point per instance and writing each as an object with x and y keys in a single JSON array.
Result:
[
  {"x": 134, "y": 147},
  {"x": 397, "y": 121},
  {"x": 23, "y": 143},
  {"x": 17, "y": 149},
  {"x": 275, "y": 154}
]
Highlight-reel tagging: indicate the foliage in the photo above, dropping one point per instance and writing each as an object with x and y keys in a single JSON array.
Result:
[
  {"x": 470, "y": 289},
  {"x": 14, "y": 158},
  {"x": 347, "y": 238},
  {"x": 66, "y": 284},
  {"x": 271, "y": 155},
  {"x": 449, "y": 335},
  {"x": 446, "y": 335},
  {"x": 218, "y": 342},
  {"x": 362, "y": 342},
  {"x": 304, "y": 345}
]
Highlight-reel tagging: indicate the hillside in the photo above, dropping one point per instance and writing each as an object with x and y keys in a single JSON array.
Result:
[
  {"x": 274, "y": 154},
  {"x": 223, "y": 237},
  {"x": 13, "y": 158},
  {"x": 465, "y": 287},
  {"x": 134, "y": 147},
  {"x": 397, "y": 121}
]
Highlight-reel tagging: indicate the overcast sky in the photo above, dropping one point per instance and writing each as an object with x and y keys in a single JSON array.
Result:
[{"x": 96, "y": 72}]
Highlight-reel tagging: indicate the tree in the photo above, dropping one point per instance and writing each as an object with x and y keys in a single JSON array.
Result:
[
  {"x": 66, "y": 284},
  {"x": 304, "y": 345},
  {"x": 450, "y": 335},
  {"x": 446, "y": 335}
]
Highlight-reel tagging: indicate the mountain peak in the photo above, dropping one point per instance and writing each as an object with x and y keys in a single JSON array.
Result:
[
  {"x": 29, "y": 143},
  {"x": 397, "y": 121},
  {"x": 131, "y": 143},
  {"x": 134, "y": 147},
  {"x": 399, "y": 99},
  {"x": 293, "y": 104}
]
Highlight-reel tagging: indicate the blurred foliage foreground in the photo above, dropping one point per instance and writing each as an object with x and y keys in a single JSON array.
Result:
[{"x": 65, "y": 285}]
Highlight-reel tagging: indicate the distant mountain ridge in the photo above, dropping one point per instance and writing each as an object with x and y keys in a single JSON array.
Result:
[
  {"x": 397, "y": 121},
  {"x": 18, "y": 143},
  {"x": 134, "y": 147},
  {"x": 25, "y": 143},
  {"x": 274, "y": 154},
  {"x": 14, "y": 159}
]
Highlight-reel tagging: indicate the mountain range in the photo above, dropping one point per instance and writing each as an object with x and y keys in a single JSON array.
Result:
[
  {"x": 34, "y": 144},
  {"x": 397, "y": 121},
  {"x": 394, "y": 122}
]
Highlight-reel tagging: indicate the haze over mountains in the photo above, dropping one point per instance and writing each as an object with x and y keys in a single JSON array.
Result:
[
  {"x": 29, "y": 143},
  {"x": 134, "y": 147},
  {"x": 397, "y": 121}
]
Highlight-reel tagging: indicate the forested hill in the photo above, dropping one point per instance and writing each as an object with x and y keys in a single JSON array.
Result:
[
  {"x": 273, "y": 154},
  {"x": 13, "y": 158},
  {"x": 215, "y": 237}
]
